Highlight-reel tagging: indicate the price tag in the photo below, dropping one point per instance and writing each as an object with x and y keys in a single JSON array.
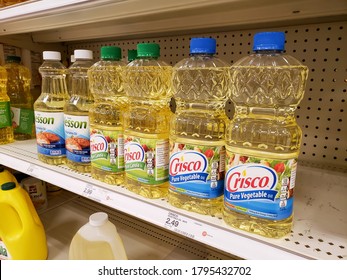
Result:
[
  {"x": 95, "y": 193},
  {"x": 88, "y": 190},
  {"x": 34, "y": 170},
  {"x": 188, "y": 227}
]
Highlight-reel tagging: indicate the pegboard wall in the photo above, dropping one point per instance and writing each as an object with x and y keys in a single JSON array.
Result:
[{"x": 322, "y": 114}]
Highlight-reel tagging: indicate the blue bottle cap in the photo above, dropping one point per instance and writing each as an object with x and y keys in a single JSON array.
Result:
[
  {"x": 203, "y": 45},
  {"x": 269, "y": 41}
]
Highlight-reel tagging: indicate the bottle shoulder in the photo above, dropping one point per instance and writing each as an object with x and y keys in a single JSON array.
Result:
[
  {"x": 268, "y": 60},
  {"x": 201, "y": 61},
  {"x": 142, "y": 62}
]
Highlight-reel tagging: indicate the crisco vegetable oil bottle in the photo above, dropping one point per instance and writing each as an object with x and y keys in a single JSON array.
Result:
[
  {"x": 146, "y": 123},
  {"x": 49, "y": 115},
  {"x": 106, "y": 117},
  {"x": 18, "y": 89},
  {"x": 76, "y": 110},
  {"x": 197, "y": 145},
  {"x": 263, "y": 138},
  {"x": 6, "y": 129}
]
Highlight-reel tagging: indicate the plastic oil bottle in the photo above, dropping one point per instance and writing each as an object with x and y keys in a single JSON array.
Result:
[
  {"x": 76, "y": 110},
  {"x": 197, "y": 129},
  {"x": 146, "y": 123},
  {"x": 49, "y": 110},
  {"x": 263, "y": 138},
  {"x": 22, "y": 235},
  {"x": 97, "y": 240},
  {"x": 6, "y": 176},
  {"x": 106, "y": 117},
  {"x": 18, "y": 89},
  {"x": 6, "y": 129}
]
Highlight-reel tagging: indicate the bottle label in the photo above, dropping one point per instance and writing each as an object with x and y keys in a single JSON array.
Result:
[
  {"x": 77, "y": 134},
  {"x": 107, "y": 149},
  {"x": 50, "y": 133},
  {"x": 197, "y": 170},
  {"x": 4, "y": 254},
  {"x": 260, "y": 187},
  {"x": 22, "y": 120},
  {"x": 146, "y": 160},
  {"x": 5, "y": 114}
]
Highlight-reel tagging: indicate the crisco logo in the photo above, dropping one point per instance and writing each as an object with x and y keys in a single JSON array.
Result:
[
  {"x": 133, "y": 152},
  {"x": 98, "y": 143},
  {"x": 250, "y": 176},
  {"x": 187, "y": 162}
]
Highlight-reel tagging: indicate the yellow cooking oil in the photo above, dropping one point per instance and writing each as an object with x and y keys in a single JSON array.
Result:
[
  {"x": 18, "y": 89},
  {"x": 146, "y": 123},
  {"x": 106, "y": 117},
  {"x": 49, "y": 110},
  {"x": 197, "y": 129},
  {"x": 263, "y": 138},
  {"x": 76, "y": 113},
  {"x": 6, "y": 129}
]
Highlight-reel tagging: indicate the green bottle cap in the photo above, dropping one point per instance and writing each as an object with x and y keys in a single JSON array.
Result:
[
  {"x": 148, "y": 50},
  {"x": 111, "y": 53},
  {"x": 13, "y": 58},
  {"x": 8, "y": 186},
  {"x": 132, "y": 55}
]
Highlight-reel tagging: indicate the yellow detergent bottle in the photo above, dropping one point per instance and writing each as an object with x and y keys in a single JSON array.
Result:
[
  {"x": 22, "y": 235},
  {"x": 6, "y": 176}
]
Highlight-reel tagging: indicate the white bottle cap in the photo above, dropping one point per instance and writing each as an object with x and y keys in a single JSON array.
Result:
[
  {"x": 98, "y": 219},
  {"x": 83, "y": 54},
  {"x": 72, "y": 58},
  {"x": 50, "y": 55}
]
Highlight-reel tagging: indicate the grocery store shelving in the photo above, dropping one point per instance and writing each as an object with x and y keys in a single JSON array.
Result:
[
  {"x": 67, "y": 212},
  {"x": 320, "y": 227},
  {"x": 316, "y": 34}
]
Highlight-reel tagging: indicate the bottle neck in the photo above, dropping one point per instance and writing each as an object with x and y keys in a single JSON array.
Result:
[{"x": 268, "y": 51}]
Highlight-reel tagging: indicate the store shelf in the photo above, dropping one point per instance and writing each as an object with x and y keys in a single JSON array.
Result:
[
  {"x": 67, "y": 212},
  {"x": 83, "y": 20},
  {"x": 320, "y": 228}
]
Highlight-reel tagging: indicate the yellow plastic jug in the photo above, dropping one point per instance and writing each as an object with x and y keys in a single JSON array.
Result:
[
  {"x": 22, "y": 235},
  {"x": 6, "y": 176}
]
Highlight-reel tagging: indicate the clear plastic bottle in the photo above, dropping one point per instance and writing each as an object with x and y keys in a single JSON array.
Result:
[
  {"x": 197, "y": 145},
  {"x": 6, "y": 129},
  {"x": 263, "y": 138},
  {"x": 18, "y": 89},
  {"x": 146, "y": 123},
  {"x": 76, "y": 111},
  {"x": 49, "y": 110},
  {"x": 106, "y": 117},
  {"x": 97, "y": 240}
]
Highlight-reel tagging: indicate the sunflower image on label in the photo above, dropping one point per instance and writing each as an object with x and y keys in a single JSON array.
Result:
[
  {"x": 197, "y": 170},
  {"x": 50, "y": 133},
  {"x": 260, "y": 187},
  {"x": 146, "y": 160},
  {"x": 107, "y": 149}
]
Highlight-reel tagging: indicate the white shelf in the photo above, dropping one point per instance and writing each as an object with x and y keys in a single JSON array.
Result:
[
  {"x": 83, "y": 20},
  {"x": 320, "y": 227}
]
